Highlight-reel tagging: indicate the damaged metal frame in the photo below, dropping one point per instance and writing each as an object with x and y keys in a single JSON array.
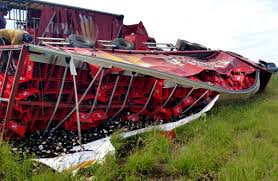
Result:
[
  {"x": 182, "y": 81},
  {"x": 43, "y": 54},
  {"x": 11, "y": 100}
]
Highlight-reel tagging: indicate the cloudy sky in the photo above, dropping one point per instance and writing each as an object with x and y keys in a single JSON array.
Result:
[{"x": 247, "y": 27}]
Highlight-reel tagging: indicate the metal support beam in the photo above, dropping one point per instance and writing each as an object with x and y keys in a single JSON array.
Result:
[
  {"x": 112, "y": 95},
  {"x": 14, "y": 89},
  {"x": 125, "y": 100},
  {"x": 58, "y": 99},
  {"x": 186, "y": 96},
  {"x": 77, "y": 112},
  {"x": 195, "y": 102},
  {"x": 149, "y": 98},
  {"x": 98, "y": 88},
  {"x": 171, "y": 94},
  {"x": 81, "y": 99},
  {"x": 4, "y": 82}
]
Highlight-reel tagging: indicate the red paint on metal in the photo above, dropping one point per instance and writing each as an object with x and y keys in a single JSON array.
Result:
[{"x": 17, "y": 128}]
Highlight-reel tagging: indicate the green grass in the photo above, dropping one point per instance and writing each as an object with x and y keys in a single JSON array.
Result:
[
  {"x": 13, "y": 167},
  {"x": 235, "y": 141}
]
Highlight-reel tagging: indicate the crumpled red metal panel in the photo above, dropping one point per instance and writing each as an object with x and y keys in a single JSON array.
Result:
[
  {"x": 233, "y": 62},
  {"x": 178, "y": 65},
  {"x": 138, "y": 29}
]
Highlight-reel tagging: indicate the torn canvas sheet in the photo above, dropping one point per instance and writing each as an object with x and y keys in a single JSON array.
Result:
[{"x": 97, "y": 150}]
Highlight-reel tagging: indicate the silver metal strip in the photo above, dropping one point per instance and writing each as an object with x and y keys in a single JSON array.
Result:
[
  {"x": 171, "y": 94},
  {"x": 59, "y": 98},
  {"x": 112, "y": 94},
  {"x": 96, "y": 96},
  {"x": 77, "y": 112},
  {"x": 81, "y": 99},
  {"x": 186, "y": 96},
  {"x": 149, "y": 98},
  {"x": 53, "y": 43},
  {"x": 126, "y": 96},
  {"x": 48, "y": 38},
  {"x": 195, "y": 102}
]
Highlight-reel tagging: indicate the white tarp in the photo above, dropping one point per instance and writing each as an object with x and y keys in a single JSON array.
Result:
[
  {"x": 97, "y": 150},
  {"x": 93, "y": 152}
]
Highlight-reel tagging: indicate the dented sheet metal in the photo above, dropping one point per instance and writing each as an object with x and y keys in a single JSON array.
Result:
[
  {"x": 172, "y": 72},
  {"x": 178, "y": 65}
]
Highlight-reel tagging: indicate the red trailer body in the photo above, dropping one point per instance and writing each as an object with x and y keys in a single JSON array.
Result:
[{"x": 46, "y": 88}]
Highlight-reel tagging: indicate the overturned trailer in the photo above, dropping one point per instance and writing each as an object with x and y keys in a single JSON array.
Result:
[{"x": 116, "y": 77}]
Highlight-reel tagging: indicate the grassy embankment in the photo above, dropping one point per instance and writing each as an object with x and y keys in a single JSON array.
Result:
[{"x": 237, "y": 141}]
